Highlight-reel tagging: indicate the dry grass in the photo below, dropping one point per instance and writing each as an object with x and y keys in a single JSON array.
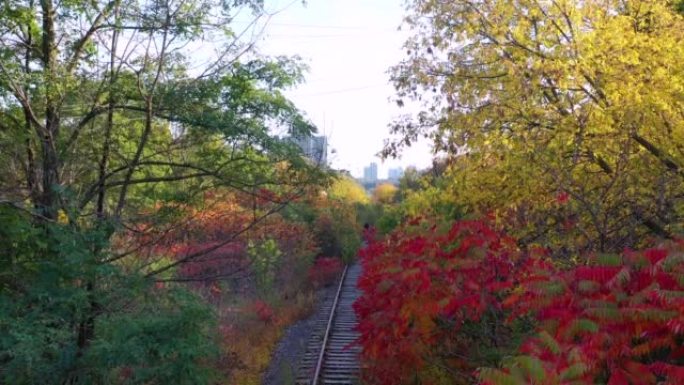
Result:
[{"x": 253, "y": 340}]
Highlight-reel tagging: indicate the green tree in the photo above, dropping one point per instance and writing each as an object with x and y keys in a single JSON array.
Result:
[
  {"x": 109, "y": 125},
  {"x": 144, "y": 335}
]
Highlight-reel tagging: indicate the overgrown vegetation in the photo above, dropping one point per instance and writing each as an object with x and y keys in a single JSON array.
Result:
[
  {"x": 544, "y": 245},
  {"x": 143, "y": 334},
  {"x": 145, "y": 195},
  {"x": 155, "y": 229},
  {"x": 461, "y": 303}
]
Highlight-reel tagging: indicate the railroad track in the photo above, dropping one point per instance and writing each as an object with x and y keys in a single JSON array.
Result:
[{"x": 330, "y": 357}]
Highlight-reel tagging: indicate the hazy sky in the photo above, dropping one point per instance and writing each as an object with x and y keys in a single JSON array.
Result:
[{"x": 349, "y": 46}]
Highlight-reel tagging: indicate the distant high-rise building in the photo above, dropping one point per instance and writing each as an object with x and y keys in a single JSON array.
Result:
[
  {"x": 370, "y": 173},
  {"x": 313, "y": 147},
  {"x": 395, "y": 174},
  {"x": 319, "y": 149}
]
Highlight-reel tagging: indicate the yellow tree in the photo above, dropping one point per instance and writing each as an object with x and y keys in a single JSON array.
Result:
[
  {"x": 385, "y": 193},
  {"x": 337, "y": 227},
  {"x": 573, "y": 102},
  {"x": 348, "y": 190}
]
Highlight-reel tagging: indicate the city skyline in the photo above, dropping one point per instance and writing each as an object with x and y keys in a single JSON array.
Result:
[
  {"x": 354, "y": 113},
  {"x": 316, "y": 148},
  {"x": 370, "y": 173}
]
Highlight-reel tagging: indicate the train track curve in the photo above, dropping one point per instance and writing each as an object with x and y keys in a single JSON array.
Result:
[{"x": 330, "y": 357}]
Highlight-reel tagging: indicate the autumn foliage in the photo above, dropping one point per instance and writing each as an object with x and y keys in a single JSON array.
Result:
[
  {"x": 618, "y": 320},
  {"x": 325, "y": 271},
  {"x": 463, "y": 303},
  {"x": 421, "y": 286},
  {"x": 263, "y": 310},
  {"x": 212, "y": 241}
]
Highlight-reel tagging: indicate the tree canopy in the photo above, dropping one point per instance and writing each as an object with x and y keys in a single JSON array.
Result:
[
  {"x": 119, "y": 122},
  {"x": 536, "y": 101}
]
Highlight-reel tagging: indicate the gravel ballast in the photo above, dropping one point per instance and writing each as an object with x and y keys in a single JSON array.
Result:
[{"x": 291, "y": 348}]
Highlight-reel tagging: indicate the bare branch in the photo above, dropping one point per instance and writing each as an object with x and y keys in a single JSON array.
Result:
[{"x": 81, "y": 43}]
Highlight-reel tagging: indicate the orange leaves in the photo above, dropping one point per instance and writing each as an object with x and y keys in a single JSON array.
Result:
[{"x": 208, "y": 239}]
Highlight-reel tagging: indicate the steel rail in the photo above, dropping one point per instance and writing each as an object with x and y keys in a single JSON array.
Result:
[{"x": 321, "y": 355}]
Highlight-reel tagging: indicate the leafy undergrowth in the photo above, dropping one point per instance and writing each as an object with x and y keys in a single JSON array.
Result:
[
  {"x": 461, "y": 303},
  {"x": 619, "y": 320},
  {"x": 260, "y": 281},
  {"x": 252, "y": 331},
  {"x": 430, "y": 302},
  {"x": 325, "y": 271}
]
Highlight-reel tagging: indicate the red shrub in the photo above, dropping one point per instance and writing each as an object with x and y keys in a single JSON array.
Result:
[
  {"x": 619, "y": 320},
  {"x": 369, "y": 234},
  {"x": 325, "y": 271},
  {"x": 433, "y": 297},
  {"x": 263, "y": 310},
  {"x": 420, "y": 279}
]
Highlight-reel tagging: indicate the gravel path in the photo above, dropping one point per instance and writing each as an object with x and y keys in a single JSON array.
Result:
[{"x": 283, "y": 367}]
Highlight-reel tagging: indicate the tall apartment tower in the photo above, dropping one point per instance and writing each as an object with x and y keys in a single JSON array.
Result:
[
  {"x": 394, "y": 174},
  {"x": 370, "y": 173},
  {"x": 313, "y": 147}
]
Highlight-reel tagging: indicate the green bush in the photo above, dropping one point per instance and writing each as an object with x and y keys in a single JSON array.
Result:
[
  {"x": 265, "y": 260},
  {"x": 54, "y": 283},
  {"x": 167, "y": 340}
]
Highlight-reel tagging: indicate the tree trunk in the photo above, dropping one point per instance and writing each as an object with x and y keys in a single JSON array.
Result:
[
  {"x": 31, "y": 178},
  {"x": 48, "y": 200}
]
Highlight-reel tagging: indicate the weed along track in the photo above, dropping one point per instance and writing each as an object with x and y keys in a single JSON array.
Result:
[{"x": 330, "y": 357}]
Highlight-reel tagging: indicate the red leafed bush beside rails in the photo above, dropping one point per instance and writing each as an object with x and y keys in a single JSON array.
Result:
[
  {"x": 440, "y": 302},
  {"x": 369, "y": 234},
  {"x": 325, "y": 271},
  {"x": 263, "y": 310},
  {"x": 431, "y": 310},
  {"x": 618, "y": 320}
]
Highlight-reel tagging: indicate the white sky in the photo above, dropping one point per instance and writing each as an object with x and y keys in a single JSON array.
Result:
[{"x": 349, "y": 46}]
